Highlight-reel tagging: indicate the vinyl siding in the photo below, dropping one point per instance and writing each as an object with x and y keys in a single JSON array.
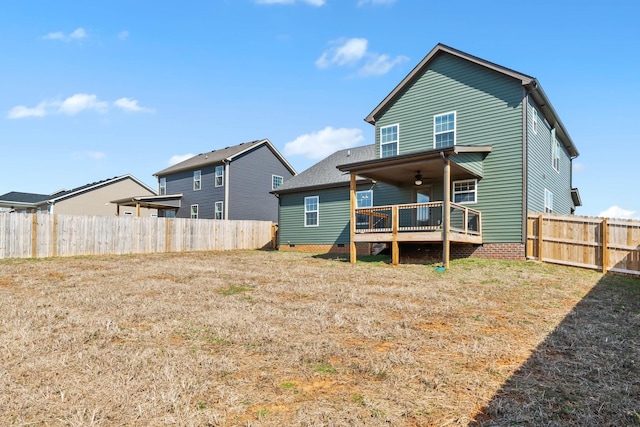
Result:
[
  {"x": 205, "y": 198},
  {"x": 540, "y": 171},
  {"x": 488, "y": 108},
  {"x": 250, "y": 184},
  {"x": 333, "y": 218}
]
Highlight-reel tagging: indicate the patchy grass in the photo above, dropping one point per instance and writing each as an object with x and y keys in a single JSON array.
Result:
[{"x": 267, "y": 338}]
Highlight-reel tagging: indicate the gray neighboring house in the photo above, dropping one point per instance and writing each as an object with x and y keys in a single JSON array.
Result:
[
  {"x": 230, "y": 183},
  {"x": 89, "y": 199}
]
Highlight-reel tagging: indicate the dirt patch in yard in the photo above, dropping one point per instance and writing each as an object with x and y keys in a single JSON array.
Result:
[{"x": 268, "y": 338}]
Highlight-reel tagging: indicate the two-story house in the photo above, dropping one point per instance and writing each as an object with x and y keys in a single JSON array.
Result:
[
  {"x": 464, "y": 148},
  {"x": 230, "y": 183}
]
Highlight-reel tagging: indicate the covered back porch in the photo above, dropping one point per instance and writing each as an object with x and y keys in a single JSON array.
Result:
[{"x": 435, "y": 221}]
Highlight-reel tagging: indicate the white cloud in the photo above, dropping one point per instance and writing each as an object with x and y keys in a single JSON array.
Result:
[
  {"x": 577, "y": 167},
  {"x": 350, "y": 53},
  {"x": 318, "y": 145},
  {"x": 617, "y": 212},
  {"x": 80, "y": 102},
  {"x": 177, "y": 158},
  {"x": 364, "y": 2},
  {"x": 311, "y": 2},
  {"x": 347, "y": 52},
  {"x": 128, "y": 104},
  {"x": 96, "y": 155},
  {"x": 21, "y": 112},
  {"x": 123, "y": 35},
  {"x": 77, "y": 34},
  {"x": 378, "y": 65},
  {"x": 74, "y": 105}
]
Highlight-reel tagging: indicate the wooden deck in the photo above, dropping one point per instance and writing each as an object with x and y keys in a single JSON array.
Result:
[{"x": 417, "y": 223}]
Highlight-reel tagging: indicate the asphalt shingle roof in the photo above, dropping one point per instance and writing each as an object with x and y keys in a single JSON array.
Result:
[
  {"x": 324, "y": 173},
  {"x": 19, "y": 197},
  {"x": 210, "y": 158}
]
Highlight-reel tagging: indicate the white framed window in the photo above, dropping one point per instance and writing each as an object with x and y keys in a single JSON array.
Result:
[
  {"x": 218, "y": 212},
  {"x": 389, "y": 137},
  {"x": 219, "y": 176},
  {"x": 444, "y": 130},
  {"x": 548, "y": 201},
  {"x": 311, "y": 211},
  {"x": 364, "y": 199},
  {"x": 534, "y": 120},
  {"x": 465, "y": 191},
  {"x": 555, "y": 154},
  {"x": 194, "y": 211},
  {"x": 162, "y": 186},
  {"x": 276, "y": 181},
  {"x": 197, "y": 180}
]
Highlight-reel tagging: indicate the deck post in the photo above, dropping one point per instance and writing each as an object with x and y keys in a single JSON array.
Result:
[
  {"x": 395, "y": 248},
  {"x": 352, "y": 220},
  {"x": 446, "y": 210}
]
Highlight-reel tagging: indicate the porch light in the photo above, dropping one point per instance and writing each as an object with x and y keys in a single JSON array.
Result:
[{"x": 418, "y": 180}]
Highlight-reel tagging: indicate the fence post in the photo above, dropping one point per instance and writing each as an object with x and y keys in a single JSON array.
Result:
[
  {"x": 34, "y": 235},
  {"x": 54, "y": 236},
  {"x": 540, "y": 237},
  {"x": 604, "y": 229}
]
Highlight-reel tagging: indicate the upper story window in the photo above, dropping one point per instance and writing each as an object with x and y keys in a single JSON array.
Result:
[
  {"x": 197, "y": 180},
  {"x": 465, "y": 191},
  {"x": 162, "y": 186},
  {"x": 311, "y": 211},
  {"x": 548, "y": 201},
  {"x": 444, "y": 130},
  {"x": 276, "y": 181},
  {"x": 218, "y": 212},
  {"x": 219, "y": 176},
  {"x": 534, "y": 121},
  {"x": 389, "y": 141},
  {"x": 194, "y": 211},
  {"x": 555, "y": 153}
]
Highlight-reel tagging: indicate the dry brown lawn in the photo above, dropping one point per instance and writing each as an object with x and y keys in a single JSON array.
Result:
[{"x": 270, "y": 338}]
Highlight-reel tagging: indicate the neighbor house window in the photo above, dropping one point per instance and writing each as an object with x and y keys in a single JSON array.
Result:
[
  {"x": 276, "y": 181},
  {"x": 534, "y": 121},
  {"x": 194, "y": 211},
  {"x": 219, "y": 176},
  {"x": 465, "y": 191},
  {"x": 364, "y": 199},
  {"x": 218, "y": 212},
  {"x": 548, "y": 201},
  {"x": 444, "y": 130},
  {"x": 555, "y": 148},
  {"x": 389, "y": 141},
  {"x": 311, "y": 211},
  {"x": 197, "y": 180},
  {"x": 162, "y": 186}
]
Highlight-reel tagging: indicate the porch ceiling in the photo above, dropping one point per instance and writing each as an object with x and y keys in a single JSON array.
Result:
[{"x": 401, "y": 170}]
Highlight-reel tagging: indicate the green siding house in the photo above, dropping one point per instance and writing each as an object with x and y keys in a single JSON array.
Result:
[{"x": 464, "y": 148}]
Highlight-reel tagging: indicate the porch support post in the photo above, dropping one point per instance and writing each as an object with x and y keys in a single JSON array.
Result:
[
  {"x": 446, "y": 209},
  {"x": 395, "y": 247},
  {"x": 352, "y": 219}
]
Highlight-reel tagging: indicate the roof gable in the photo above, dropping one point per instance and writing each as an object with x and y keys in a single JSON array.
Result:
[
  {"x": 529, "y": 83},
  {"x": 223, "y": 155}
]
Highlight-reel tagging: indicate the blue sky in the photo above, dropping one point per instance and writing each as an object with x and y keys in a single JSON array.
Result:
[{"x": 95, "y": 89}]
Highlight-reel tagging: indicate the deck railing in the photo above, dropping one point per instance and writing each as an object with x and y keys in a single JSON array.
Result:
[{"x": 414, "y": 217}]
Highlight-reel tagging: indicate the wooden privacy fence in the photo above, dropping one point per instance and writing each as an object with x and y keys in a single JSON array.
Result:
[
  {"x": 43, "y": 235},
  {"x": 600, "y": 243}
]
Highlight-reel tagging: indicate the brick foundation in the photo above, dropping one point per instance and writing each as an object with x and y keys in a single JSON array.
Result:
[
  {"x": 430, "y": 252},
  {"x": 361, "y": 248},
  {"x": 505, "y": 251}
]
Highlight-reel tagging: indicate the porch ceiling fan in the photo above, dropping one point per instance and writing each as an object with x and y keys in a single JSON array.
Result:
[{"x": 418, "y": 180}]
